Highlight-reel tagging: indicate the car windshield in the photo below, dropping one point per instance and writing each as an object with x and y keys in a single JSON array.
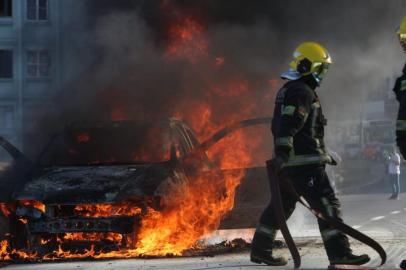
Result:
[{"x": 116, "y": 143}]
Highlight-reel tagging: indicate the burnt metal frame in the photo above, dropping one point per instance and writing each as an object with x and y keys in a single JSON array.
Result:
[{"x": 123, "y": 225}]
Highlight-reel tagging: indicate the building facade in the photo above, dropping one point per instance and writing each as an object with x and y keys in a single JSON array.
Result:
[{"x": 30, "y": 68}]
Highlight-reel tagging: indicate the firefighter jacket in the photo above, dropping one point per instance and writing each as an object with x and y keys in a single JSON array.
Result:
[
  {"x": 298, "y": 125},
  {"x": 400, "y": 92}
]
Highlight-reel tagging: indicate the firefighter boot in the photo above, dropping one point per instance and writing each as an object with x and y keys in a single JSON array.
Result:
[
  {"x": 338, "y": 248},
  {"x": 351, "y": 259},
  {"x": 403, "y": 265},
  {"x": 262, "y": 244}
]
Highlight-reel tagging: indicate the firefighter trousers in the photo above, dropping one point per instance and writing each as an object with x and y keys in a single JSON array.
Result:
[{"x": 313, "y": 184}]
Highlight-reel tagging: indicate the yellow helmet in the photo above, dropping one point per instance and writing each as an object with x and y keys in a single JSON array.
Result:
[
  {"x": 309, "y": 58},
  {"x": 401, "y": 32}
]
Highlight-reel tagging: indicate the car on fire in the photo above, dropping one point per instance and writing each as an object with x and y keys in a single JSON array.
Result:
[{"x": 99, "y": 179}]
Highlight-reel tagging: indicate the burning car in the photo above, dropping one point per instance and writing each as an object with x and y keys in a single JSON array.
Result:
[{"x": 105, "y": 189}]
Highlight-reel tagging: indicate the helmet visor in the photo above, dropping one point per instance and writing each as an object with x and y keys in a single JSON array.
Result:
[{"x": 321, "y": 72}]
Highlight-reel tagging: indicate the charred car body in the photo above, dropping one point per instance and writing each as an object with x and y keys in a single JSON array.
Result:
[{"x": 77, "y": 187}]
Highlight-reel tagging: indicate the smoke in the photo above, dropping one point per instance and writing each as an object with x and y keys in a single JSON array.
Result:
[{"x": 118, "y": 66}]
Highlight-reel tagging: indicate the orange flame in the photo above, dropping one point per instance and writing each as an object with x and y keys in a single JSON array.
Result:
[
  {"x": 187, "y": 40},
  {"x": 113, "y": 237},
  {"x": 107, "y": 210},
  {"x": 193, "y": 206},
  {"x": 5, "y": 209},
  {"x": 203, "y": 202},
  {"x": 36, "y": 204},
  {"x": 83, "y": 137}
]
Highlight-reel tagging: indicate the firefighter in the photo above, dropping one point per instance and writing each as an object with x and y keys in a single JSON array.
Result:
[
  {"x": 298, "y": 130},
  {"x": 400, "y": 92}
]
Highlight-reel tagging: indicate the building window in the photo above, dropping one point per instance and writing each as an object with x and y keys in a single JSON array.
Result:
[
  {"x": 38, "y": 63},
  {"x": 37, "y": 10},
  {"x": 6, "y": 117},
  {"x": 6, "y": 64},
  {"x": 5, "y": 8}
]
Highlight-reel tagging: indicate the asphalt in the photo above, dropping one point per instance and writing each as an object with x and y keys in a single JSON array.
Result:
[{"x": 373, "y": 214}]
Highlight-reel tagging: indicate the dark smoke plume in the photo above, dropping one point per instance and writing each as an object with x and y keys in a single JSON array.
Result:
[{"x": 116, "y": 64}]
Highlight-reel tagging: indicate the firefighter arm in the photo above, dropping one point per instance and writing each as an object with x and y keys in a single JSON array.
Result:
[{"x": 396, "y": 88}]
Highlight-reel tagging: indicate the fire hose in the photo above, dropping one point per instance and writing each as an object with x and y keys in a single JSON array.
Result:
[
  {"x": 278, "y": 206},
  {"x": 276, "y": 202},
  {"x": 232, "y": 127}
]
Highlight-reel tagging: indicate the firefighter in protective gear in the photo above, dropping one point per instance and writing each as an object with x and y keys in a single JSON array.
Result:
[
  {"x": 298, "y": 131},
  {"x": 400, "y": 92}
]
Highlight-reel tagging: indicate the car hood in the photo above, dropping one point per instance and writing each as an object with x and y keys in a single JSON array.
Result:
[{"x": 89, "y": 184}]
